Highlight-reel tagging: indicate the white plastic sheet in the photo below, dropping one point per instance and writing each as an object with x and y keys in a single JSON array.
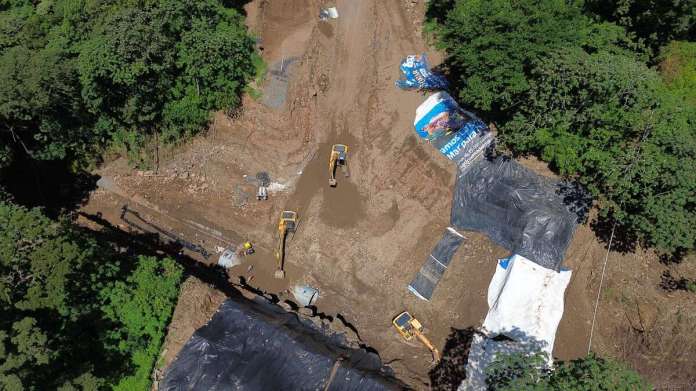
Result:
[
  {"x": 525, "y": 305},
  {"x": 526, "y": 301}
]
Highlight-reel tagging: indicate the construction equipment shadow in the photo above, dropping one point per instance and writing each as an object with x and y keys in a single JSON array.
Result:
[{"x": 152, "y": 244}]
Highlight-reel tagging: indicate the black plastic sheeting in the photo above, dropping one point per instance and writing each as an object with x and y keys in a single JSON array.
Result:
[
  {"x": 526, "y": 213},
  {"x": 254, "y": 345},
  {"x": 423, "y": 285}
]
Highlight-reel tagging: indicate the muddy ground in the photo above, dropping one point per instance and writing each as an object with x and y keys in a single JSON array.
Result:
[{"x": 362, "y": 242}]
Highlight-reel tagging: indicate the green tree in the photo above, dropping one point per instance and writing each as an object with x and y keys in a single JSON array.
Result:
[
  {"x": 79, "y": 76},
  {"x": 41, "y": 111},
  {"x": 677, "y": 64},
  {"x": 49, "y": 275},
  {"x": 143, "y": 304},
  {"x": 75, "y": 315},
  {"x": 528, "y": 372},
  {"x": 491, "y": 45},
  {"x": 608, "y": 121},
  {"x": 656, "y": 22},
  {"x": 578, "y": 94}
]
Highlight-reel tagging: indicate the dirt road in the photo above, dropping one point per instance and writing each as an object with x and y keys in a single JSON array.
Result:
[{"x": 362, "y": 242}]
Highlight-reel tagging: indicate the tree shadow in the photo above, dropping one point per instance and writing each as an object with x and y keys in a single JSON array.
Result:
[
  {"x": 676, "y": 257},
  {"x": 237, "y": 5},
  {"x": 151, "y": 244},
  {"x": 50, "y": 184},
  {"x": 474, "y": 350},
  {"x": 436, "y": 10},
  {"x": 624, "y": 241},
  {"x": 576, "y": 198},
  {"x": 451, "y": 370},
  {"x": 670, "y": 283}
]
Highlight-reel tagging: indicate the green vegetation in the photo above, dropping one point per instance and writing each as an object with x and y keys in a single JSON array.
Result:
[
  {"x": 77, "y": 76},
  {"x": 678, "y": 69},
  {"x": 143, "y": 304},
  {"x": 517, "y": 372},
  {"x": 581, "y": 95},
  {"x": 76, "y": 315},
  {"x": 655, "y": 22}
]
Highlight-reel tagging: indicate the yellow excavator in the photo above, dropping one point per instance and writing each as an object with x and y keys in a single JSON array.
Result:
[
  {"x": 410, "y": 327},
  {"x": 339, "y": 153},
  {"x": 287, "y": 223}
]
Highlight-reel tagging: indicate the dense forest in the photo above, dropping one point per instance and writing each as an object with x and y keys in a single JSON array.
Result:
[
  {"x": 602, "y": 90},
  {"x": 80, "y": 79}
]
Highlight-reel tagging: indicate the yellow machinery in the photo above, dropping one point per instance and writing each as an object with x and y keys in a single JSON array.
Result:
[
  {"x": 338, "y": 157},
  {"x": 287, "y": 223},
  {"x": 410, "y": 327}
]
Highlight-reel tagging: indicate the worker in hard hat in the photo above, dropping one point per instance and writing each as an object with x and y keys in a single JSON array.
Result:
[{"x": 245, "y": 248}]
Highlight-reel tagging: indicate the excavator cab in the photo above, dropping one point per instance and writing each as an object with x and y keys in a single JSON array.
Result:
[
  {"x": 410, "y": 327},
  {"x": 339, "y": 154},
  {"x": 289, "y": 219},
  {"x": 287, "y": 223}
]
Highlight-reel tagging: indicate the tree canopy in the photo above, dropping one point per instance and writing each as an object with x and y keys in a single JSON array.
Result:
[
  {"x": 75, "y": 313},
  {"x": 655, "y": 22},
  {"x": 517, "y": 372},
  {"x": 77, "y": 77},
  {"x": 579, "y": 93}
]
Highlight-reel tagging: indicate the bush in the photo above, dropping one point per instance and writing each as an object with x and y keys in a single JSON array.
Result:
[{"x": 527, "y": 372}]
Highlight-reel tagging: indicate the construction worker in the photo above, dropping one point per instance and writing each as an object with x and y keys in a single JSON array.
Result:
[{"x": 245, "y": 248}]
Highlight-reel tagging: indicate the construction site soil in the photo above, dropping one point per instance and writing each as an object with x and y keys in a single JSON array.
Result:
[{"x": 361, "y": 243}]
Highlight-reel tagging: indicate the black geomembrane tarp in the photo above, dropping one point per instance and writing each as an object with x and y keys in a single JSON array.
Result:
[
  {"x": 526, "y": 213},
  {"x": 425, "y": 282},
  {"x": 253, "y": 345}
]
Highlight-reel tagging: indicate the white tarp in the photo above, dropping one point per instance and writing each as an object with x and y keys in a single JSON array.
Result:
[
  {"x": 526, "y": 301},
  {"x": 526, "y": 305}
]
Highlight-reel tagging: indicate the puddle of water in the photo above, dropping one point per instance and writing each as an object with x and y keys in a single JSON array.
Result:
[
  {"x": 342, "y": 206},
  {"x": 326, "y": 29}
]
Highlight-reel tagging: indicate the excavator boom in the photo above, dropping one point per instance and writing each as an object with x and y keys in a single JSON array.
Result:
[
  {"x": 338, "y": 157},
  {"x": 332, "y": 168},
  {"x": 425, "y": 341},
  {"x": 280, "y": 254},
  {"x": 287, "y": 223}
]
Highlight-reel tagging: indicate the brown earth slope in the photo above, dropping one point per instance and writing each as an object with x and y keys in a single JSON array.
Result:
[{"x": 362, "y": 242}]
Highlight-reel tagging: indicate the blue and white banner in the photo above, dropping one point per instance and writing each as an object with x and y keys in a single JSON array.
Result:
[
  {"x": 417, "y": 74},
  {"x": 455, "y": 132}
]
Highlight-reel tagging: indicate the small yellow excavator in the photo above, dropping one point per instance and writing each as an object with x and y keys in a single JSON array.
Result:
[
  {"x": 410, "y": 327},
  {"x": 287, "y": 223},
  {"x": 338, "y": 157}
]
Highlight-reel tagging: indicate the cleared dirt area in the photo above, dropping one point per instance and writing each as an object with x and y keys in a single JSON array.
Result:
[{"x": 362, "y": 242}]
